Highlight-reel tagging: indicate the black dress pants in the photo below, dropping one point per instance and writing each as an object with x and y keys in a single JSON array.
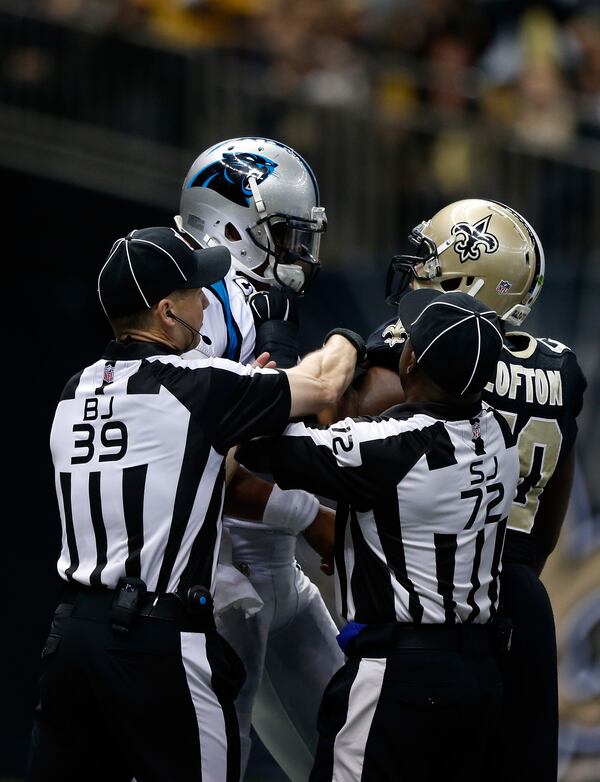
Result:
[
  {"x": 415, "y": 715},
  {"x": 157, "y": 704}
]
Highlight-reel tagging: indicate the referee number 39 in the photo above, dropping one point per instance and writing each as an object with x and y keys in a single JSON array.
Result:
[{"x": 113, "y": 437}]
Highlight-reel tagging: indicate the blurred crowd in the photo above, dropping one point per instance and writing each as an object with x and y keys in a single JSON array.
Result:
[{"x": 531, "y": 70}]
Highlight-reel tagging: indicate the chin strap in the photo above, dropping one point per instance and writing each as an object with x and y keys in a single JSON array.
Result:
[{"x": 258, "y": 202}]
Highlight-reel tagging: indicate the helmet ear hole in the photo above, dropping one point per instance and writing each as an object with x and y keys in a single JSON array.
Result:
[
  {"x": 452, "y": 284},
  {"x": 232, "y": 233}
]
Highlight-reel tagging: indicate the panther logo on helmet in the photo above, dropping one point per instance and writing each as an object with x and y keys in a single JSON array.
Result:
[
  {"x": 229, "y": 176},
  {"x": 471, "y": 238}
]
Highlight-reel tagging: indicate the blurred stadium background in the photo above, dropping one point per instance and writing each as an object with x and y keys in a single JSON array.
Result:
[{"x": 400, "y": 106}]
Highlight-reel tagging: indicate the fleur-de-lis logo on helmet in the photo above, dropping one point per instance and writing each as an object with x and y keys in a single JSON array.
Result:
[{"x": 471, "y": 239}]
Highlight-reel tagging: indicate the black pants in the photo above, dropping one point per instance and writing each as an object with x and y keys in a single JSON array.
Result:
[
  {"x": 415, "y": 715},
  {"x": 157, "y": 705},
  {"x": 529, "y": 725}
]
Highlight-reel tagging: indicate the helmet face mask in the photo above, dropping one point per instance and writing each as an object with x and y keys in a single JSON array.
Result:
[
  {"x": 403, "y": 269},
  {"x": 294, "y": 242},
  {"x": 481, "y": 247},
  {"x": 260, "y": 199}
]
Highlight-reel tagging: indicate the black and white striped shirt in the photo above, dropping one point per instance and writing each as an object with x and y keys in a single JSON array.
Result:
[
  {"x": 423, "y": 495},
  {"x": 139, "y": 442}
]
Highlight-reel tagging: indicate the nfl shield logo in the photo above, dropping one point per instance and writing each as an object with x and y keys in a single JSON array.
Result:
[
  {"x": 109, "y": 373},
  {"x": 503, "y": 286},
  {"x": 476, "y": 429}
]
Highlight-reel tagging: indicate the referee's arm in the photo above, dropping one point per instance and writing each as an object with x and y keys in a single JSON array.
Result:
[
  {"x": 250, "y": 402},
  {"x": 326, "y": 461}
]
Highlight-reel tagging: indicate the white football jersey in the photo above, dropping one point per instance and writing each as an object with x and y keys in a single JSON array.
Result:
[
  {"x": 229, "y": 324},
  {"x": 228, "y": 321}
]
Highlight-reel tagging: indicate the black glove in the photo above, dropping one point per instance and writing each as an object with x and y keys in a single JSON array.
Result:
[
  {"x": 276, "y": 321},
  {"x": 355, "y": 339},
  {"x": 273, "y": 304}
]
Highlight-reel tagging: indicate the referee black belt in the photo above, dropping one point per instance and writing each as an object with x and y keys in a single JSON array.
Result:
[
  {"x": 379, "y": 640},
  {"x": 94, "y": 603}
]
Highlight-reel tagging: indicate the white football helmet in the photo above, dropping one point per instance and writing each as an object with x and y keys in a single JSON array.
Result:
[
  {"x": 260, "y": 199},
  {"x": 478, "y": 246}
]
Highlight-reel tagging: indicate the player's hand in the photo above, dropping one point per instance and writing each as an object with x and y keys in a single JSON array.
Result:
[
  {"x": 263, "y": 362},
  {"x": 274, "y": 304},
  {"x": 275, "y": 316},
  {"x": 327, "y": 566}
]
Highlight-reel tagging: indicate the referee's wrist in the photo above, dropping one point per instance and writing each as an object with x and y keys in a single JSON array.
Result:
[{"x": 355, "y": 340}]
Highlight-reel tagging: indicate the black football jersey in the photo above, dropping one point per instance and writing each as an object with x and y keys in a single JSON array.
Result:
[{"x": 538, "y": 387}]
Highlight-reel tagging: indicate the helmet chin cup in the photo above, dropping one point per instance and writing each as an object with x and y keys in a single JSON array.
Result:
[{"x": 291, "y": 276}]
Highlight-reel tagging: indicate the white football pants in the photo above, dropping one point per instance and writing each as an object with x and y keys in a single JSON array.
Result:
[{"x": 288, "y": 648}]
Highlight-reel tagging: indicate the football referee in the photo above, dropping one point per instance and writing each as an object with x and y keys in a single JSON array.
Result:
[
  {"x": 135, "y": 680},
  {"x": 423, "y": 495}
]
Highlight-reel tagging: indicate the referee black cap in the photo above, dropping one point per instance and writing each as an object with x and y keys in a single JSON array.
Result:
[
  {"x": 149, "y": 263},
  {"x": 456, "y": 338}
]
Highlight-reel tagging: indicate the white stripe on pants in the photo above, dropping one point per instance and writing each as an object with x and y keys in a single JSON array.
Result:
[
  {"x": 211, "y": 724},
  {"x": 350, "y": 742}
]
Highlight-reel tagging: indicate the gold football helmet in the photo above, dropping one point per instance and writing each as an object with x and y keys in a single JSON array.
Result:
[{"x": 481, "y": 247}]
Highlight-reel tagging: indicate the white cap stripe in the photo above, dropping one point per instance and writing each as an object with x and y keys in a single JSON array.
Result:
[
  {"x": 134, "y": 277},
  {"x": 476, "y": 357},
  {"x": 496, "y": 329},
  {"x": 437, "y": 303},
  {"x": 112, "y": 252},
  {"x": 462, "y": 309},
  {"x": 162, "y": 249},
  {"x": 441, "y": 334}
]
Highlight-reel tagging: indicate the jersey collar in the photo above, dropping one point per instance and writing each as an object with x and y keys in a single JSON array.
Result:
[
  {"x": 436, "y": 410},
  {"x": 527, "y": 351},
  {"x": 132, "y": 350}
]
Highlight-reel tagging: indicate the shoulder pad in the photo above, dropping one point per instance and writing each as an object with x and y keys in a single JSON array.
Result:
[
  {"x": 394, "y": 334},
  {"x": 386, "y": 343},
  {"x": 385, "y": 336},
  {"x": 554, "y": 345}
]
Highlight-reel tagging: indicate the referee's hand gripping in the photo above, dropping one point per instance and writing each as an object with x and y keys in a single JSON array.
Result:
[
  {"x": 323, "y": 376},
  {"x": 263, "y": 362}
]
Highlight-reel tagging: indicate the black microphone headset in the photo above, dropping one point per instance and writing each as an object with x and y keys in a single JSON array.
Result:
[{"x": 194, "y": 331}]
